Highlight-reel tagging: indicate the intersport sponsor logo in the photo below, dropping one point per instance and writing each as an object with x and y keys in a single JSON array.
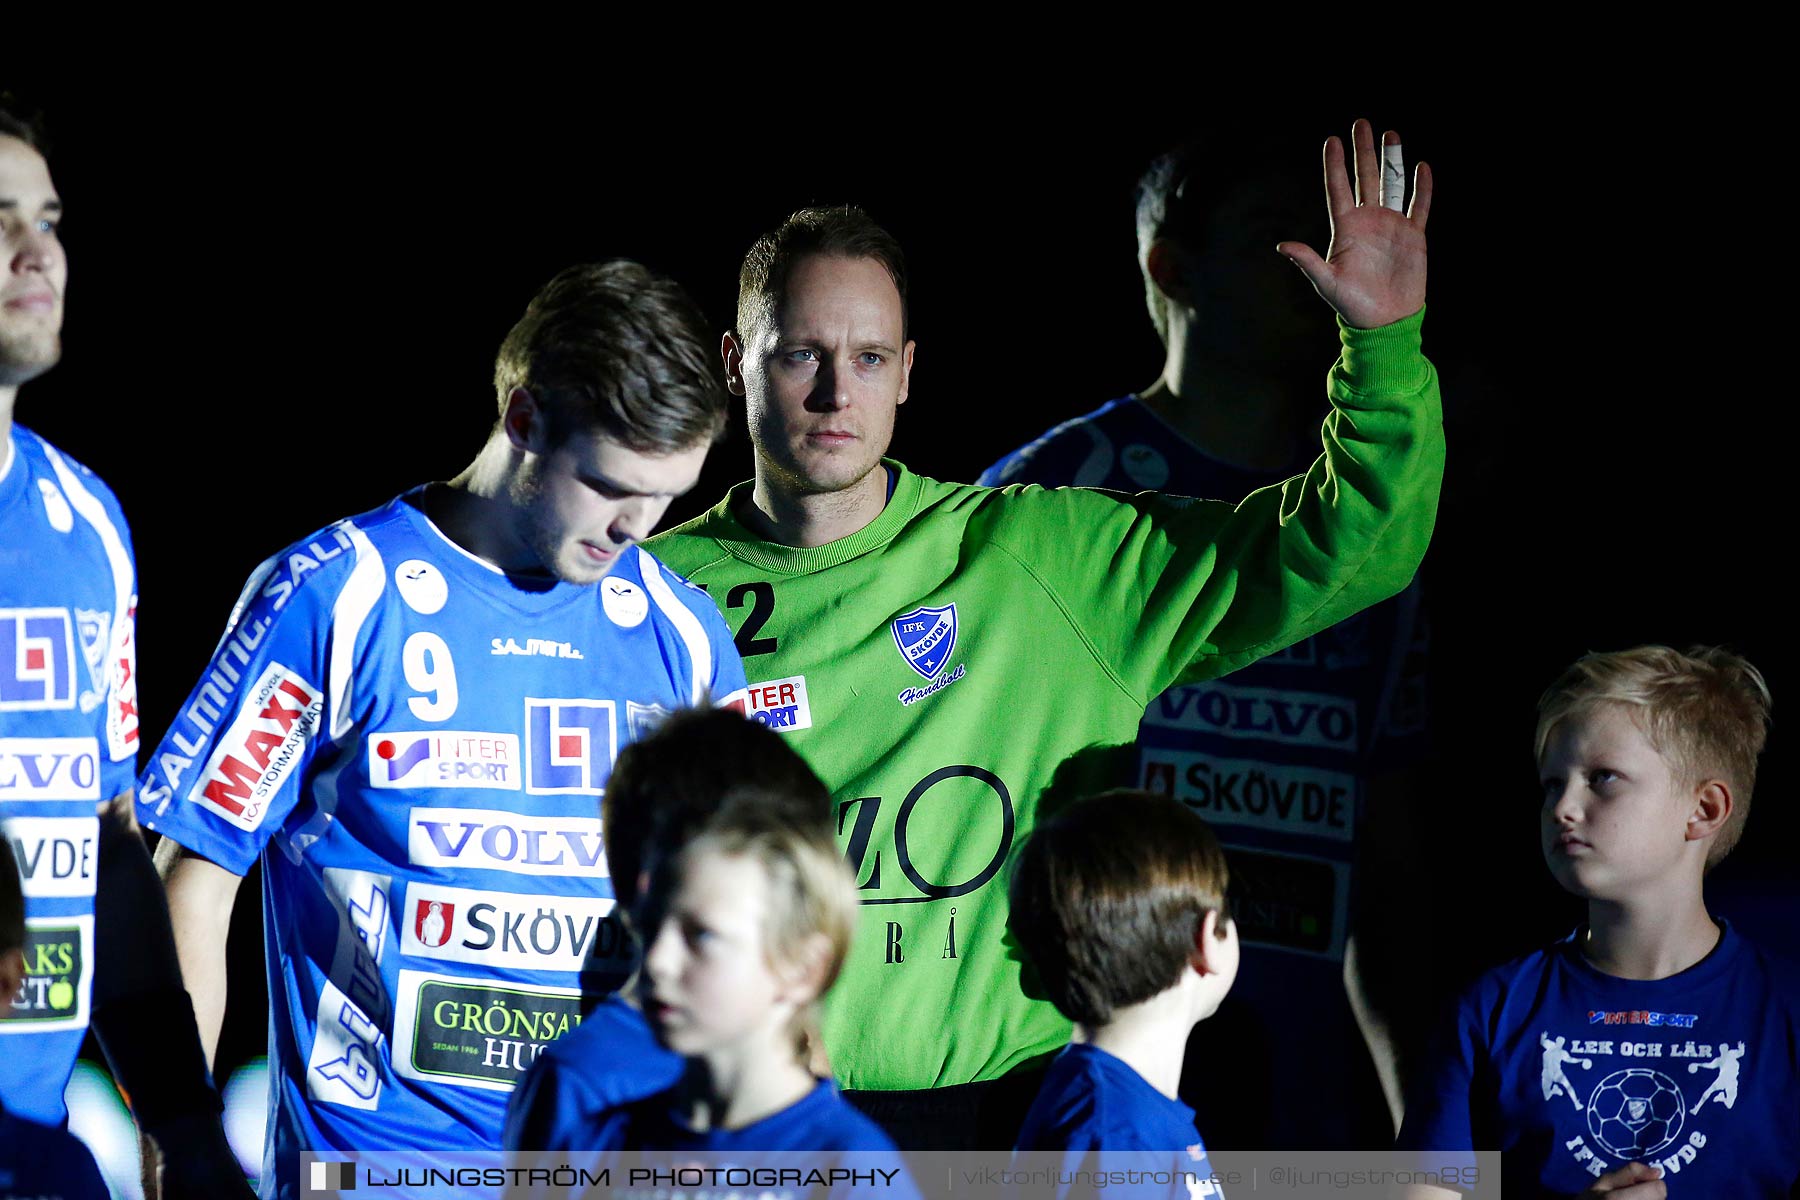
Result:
[
  {"x": 445, "y": 759},
  {"x": 496, "y": 840},
  {"x": 261, "y": 748},
  {"x": 509, "y": 929},
  {"x": 49, "y": 768}
]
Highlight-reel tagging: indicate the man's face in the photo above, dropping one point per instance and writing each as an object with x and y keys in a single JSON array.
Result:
[
  {"x": 584, "y": 502},
  {"x": 1615, "y": 811},
  {"x": 823, "y": 375},
  {"x": 31, "y": 291}
]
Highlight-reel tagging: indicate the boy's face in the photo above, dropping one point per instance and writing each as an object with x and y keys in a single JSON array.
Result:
[
  {"x": 1616, "y": 814},
  {"x": 706, "y": 983}
]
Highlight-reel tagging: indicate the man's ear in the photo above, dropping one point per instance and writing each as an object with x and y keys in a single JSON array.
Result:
[
  {"x": 1713, "y": 805},
  {"x": 906, "y": 362},
  {"x": 1163, "y": 262},
  {"x": 525, "y": 421},
  {"x": 732, "y": 351}
]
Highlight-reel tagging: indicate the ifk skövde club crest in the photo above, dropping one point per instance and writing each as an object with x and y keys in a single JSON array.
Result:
[{"x": 926, "y": 638}]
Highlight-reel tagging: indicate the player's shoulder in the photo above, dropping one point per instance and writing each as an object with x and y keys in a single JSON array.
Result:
[
  {"x": 327, "y": 559},
  {"x": 1070, "y": 1111},
  {"x": 693, "y": 545},
  {"x": 1054, "y": 457},
  {"x": 73, "y": 479}
]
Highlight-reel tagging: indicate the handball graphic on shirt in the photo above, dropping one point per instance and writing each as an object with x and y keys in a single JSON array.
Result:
[
  {"x": 68, "y": 740},
  {"x": 420, "y": 742},
  {"x": 1573, "y": 1074}
]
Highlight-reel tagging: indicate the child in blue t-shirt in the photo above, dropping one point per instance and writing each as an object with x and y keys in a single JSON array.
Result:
[
  {"x": 1649, "y": 1053},
  {"x": 1119, "y": 904},
  {"x": 663, "y": 787},
  {"x": 35, "y": 1160}
]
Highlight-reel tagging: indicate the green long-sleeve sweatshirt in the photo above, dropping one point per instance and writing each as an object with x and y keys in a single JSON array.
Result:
[{"x": 969, "y": 658}]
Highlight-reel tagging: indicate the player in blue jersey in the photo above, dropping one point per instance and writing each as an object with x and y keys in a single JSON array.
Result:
[
  {"x": 1302, "y": 761},
  {"x": 35, "y": 1159},
  {"x": 411, "y": 718},
  {"x": 1654, "y": 1040},
  {"x": 662, "y": 789},
  {"x": 745, "y": 927},
  {"x": 1119, "y": 904},
  {"x": 97, "y": 945}
]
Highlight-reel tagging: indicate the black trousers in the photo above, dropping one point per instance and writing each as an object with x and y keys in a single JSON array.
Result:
[{"x": 965, "y": 1116}]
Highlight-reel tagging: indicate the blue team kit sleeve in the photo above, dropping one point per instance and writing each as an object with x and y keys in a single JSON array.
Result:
[{"x": 231, "y": 767}]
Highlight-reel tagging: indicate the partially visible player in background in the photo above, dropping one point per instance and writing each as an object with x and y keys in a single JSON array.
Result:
[
  {"x": 1302, "y": 762},
  {"x": 98, "y": 949},
  {"x": 35, "y": 1159},
  {"x": 1119, "y": 902},
  {"x": 417, "y": 709},
  {"x": 662, "y": 790}
]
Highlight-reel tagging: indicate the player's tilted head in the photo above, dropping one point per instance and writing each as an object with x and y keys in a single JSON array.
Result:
[
  {"x": 665, "y": 786},
  {"x": 1705, "y": 712},
  {"x": 35, "y": 269},
  {"x": 1111, "y": 896},
  {"x": 745, "y": 925},
  {"x": 616, "y": 349},
  {"x": 842, "y": 231},
  {"x": 1209, "y": 214}
]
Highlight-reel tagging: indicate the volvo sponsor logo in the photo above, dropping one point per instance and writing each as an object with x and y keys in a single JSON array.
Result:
[
  {"x": 57, "y": 856},
  {"x": 512, "y": 929},
  {"x": 497, "y": 840},
  {"x": 445, "y": 759},
  {"x": 476, "y": 1033},
  {"x": 37, "y": 659},
  {"x": 1290, "y": 717},
  {"x": 49, "y": 768},
  {"x": 261, "y": 749},
  {"x": 569, "y": 746}
]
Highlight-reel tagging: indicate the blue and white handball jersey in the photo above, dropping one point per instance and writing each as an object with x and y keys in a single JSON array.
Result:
[
  {"x": 68, "y": 740},
  {"x": 420, "y": 743},
  {"x": 1276, "y": 757}
]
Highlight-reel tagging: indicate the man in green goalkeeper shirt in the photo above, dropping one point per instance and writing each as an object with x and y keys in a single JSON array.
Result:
[{"x": 953, "y": 659}]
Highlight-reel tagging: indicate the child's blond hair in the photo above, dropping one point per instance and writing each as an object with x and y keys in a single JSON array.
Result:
[{"x": 1705, "y": 711}]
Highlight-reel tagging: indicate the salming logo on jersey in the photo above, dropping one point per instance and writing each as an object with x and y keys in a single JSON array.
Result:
[
  {"x": 37, "y": 659},
  {"x": 50, "y": 768},
  {"x": 261, "y": 748}
]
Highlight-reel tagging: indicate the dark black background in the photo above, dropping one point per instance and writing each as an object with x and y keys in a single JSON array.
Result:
[{"x": 285, "y": 299}]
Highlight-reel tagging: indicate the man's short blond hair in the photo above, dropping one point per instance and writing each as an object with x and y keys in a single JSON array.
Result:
[{"x": 1705, "y": 711}]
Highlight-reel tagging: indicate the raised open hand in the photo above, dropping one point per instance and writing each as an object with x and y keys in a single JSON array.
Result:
[{"x": 1374, "y": 272}]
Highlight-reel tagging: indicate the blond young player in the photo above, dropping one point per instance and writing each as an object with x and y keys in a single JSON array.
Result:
[
  {"x": 745, "y": 927},
  {"x": 1119, "y": 903},
  {"x": 1649, "y": 1053}
]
